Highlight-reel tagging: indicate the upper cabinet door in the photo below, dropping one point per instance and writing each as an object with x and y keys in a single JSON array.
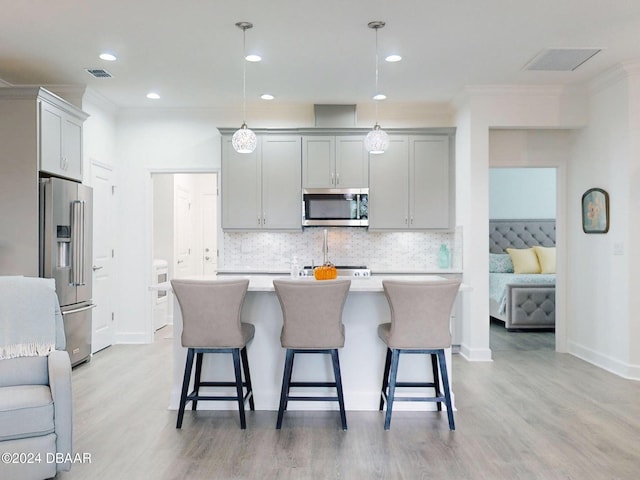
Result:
[
  {"x": 318, "y": 162},
  {"x": 72, "y": 147},
  {"x": 431, "y": 202},
  {"x": 51, "y": 157},
  {"x": 241, "y": 188},
  {"x": 389, "y": 186},
  {"x": 352, "y": 165},
  {"x": 281, "y": 192}
]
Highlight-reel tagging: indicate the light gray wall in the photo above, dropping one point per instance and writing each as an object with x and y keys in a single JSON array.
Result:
[{"x": 522, "y": 193}]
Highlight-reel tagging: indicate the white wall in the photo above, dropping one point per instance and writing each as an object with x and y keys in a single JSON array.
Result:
[
  {"x": 602, "y": 295},
  {"x": 152, "y": 141}
]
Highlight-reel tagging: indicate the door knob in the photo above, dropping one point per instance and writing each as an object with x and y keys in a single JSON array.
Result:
[{"x": 94, "y": 268}]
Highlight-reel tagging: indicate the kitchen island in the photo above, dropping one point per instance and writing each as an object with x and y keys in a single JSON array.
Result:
[{"x": 361, "y": 358}]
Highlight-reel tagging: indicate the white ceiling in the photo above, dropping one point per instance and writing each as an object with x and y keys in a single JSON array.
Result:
[{"x": 190, "y": 52}]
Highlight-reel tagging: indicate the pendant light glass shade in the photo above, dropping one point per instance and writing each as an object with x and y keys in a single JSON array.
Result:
[
  {"x": 244, "y": 140},
  {"x": 377, "y": 140}
]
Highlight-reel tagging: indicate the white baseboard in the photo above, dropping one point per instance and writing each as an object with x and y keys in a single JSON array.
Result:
[
  {"x": 610, "y": 364},
  {"x": 475, "y": 354}
]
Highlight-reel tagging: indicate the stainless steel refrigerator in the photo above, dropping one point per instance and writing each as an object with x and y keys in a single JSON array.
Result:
[{"x": 66, "y": 228}]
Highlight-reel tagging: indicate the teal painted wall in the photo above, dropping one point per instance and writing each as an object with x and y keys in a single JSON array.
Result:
[{"x": 522, "y": 193}]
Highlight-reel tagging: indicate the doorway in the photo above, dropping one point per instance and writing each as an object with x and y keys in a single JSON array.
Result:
[
  {"x": 185, "y": 230},
  {"x": 521, "y": 194}
]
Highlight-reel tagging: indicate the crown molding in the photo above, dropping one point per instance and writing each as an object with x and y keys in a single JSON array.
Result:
[{"x": 96, "y": 98}]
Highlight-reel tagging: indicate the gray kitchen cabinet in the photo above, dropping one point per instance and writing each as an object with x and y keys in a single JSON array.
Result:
[
  {"x": 334, "y": 161},
  {"x": 54, "y": 128},
  {"x": 411, "y": 184},
  {"x": 60, "y": 140},
  {"x": 261, "y": 190}
]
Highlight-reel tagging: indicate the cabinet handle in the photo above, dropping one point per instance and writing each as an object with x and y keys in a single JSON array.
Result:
[
  {"x": 406, "y": 220},
  {"x": 333, "y": 179},
  {"x": 411, "y": 219},
  {"x": 337, "y": 179},
  {"x": 64, "y": 163},
  {"x": 259, "y": 221},
  {"x": 264, "y": 219}
]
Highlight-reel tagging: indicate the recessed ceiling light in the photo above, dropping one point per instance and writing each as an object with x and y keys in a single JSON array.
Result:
[
  {"x": 379, "y": 96},
  {"x": 252, "y": 57},
  {"x": 267, "y": 96},
  {"x": 109, "y": 57},
  {"x": 153, "y": 96},
  {"x": 393, "y": 58}
]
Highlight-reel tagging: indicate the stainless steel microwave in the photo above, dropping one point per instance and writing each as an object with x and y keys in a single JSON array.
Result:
[{"x": 336, "y": 207}]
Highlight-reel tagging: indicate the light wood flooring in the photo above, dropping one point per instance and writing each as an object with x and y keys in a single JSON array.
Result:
[{"x": 530, "y": 414}]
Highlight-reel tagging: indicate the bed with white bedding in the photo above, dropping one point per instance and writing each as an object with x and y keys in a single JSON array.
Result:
[{"x": 520, "y": 300}]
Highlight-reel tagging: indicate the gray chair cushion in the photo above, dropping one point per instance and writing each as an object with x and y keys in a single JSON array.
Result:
[
  {"x": 420, "y": 314},
  {"x": 24, "y": 371},
  {"x": 25, "y": 411},
  {"x": 312, "y": 312},
  {"x": 211, "y": 312}
]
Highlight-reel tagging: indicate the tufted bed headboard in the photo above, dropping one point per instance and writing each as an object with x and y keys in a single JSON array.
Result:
[{"x": 521, "y": 234}]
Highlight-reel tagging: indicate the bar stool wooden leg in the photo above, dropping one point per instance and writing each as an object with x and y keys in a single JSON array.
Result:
[
  {"x": 185, "y": 386},
  {"x": 238, "y": 372},
  {"x": 247, "y": 377},
  {"x": 445, "y": 386},
  {"x": 385, "y": 379},
  {"x": 197, "y": 380},
  {"x": 286, "y": 380},
  {"x": 395, "y": 359},
  {"x": 436, "y": 379},
  {"x": 338, "y": 377}
]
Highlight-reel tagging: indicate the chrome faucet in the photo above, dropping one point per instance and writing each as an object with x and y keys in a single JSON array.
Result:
[{"x": 325, "y": 247}]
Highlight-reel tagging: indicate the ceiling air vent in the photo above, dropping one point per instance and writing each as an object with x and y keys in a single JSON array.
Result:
[
  {"x": 561, "y": 59},
  {"x": 99, "y": 73}
]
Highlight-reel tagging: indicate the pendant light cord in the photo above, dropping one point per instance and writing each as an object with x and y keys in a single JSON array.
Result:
[
  {"x": 376, "y": 92},
  {"x": 244, "y": 75}
]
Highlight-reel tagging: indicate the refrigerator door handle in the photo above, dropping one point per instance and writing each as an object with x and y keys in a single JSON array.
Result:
[
  {"x": 77, "y": 228},
  {"x": 81, "y": 309}
]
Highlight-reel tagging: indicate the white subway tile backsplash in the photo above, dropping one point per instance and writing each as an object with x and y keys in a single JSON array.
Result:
[{"x": 382, "y": 251}]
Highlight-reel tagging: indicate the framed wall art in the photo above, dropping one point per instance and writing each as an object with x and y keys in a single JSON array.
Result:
[{"x": 595, "y": 211}]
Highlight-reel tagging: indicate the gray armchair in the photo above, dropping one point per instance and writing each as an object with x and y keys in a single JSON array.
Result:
[{"x": 35, "y": 381}]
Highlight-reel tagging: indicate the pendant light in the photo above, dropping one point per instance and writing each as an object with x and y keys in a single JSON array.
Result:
[
  {"x": 244, "y": 140},
  {"x": 377, "y": 140}
]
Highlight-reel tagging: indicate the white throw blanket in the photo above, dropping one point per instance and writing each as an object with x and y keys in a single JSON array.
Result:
[{"x": 27, "y": 316}]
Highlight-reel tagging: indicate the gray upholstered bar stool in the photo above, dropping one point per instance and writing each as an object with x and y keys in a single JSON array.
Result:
[
  {"x": 420, "y": 324},
  {"x": 312, "y": 323},
  {"x": 211, "y": 324}
]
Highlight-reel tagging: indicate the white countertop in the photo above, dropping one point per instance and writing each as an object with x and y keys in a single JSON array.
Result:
[
  {"x": 374, "y": 271},
  {"x": 264, "y": 283}
]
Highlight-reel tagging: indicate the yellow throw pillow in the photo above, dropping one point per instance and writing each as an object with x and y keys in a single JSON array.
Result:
[
  {"x": 524, "y": 260},
  {"x": 546, "y": 258}
]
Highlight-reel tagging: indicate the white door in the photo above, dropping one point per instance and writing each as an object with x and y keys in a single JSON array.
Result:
[
  {"x": 103, "y": 328},
  {"x": 209, "y": 232},
  {"x": 182, "y": 231}
]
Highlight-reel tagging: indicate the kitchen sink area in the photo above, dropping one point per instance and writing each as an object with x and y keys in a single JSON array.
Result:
[{"x": 343, "y": 271}]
